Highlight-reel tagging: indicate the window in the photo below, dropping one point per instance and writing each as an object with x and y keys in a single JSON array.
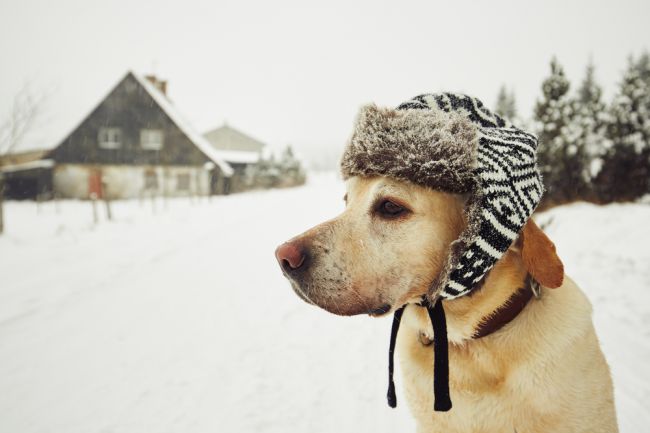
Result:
[
  {"x": 183, "y": 182},
  {"x": 151, "y": 139},
  {"x": 110, "y": 138}
]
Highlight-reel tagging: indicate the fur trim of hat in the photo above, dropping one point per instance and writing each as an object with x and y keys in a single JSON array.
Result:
[{"x": 452, "y": 143}]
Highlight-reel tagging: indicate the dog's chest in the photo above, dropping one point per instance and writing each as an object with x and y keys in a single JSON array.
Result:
[{"x": 479, "y": 383}]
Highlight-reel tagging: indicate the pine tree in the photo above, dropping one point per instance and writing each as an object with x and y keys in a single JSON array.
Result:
[
  {"x": 291, "y": 169},
  {"x": 626, "y": 168},
  {"x": 506, "y": 105},
  {"x": 287, "y": 159},
  {"x": 643, "y": 67},
  {"x": 511, "y": 111},
  {"x": 558, "y": 163},
  {"x": 587, "y": 132}
]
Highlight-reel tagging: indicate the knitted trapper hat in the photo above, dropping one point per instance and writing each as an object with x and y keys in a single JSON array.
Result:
[{"x": 452, "y": 143}]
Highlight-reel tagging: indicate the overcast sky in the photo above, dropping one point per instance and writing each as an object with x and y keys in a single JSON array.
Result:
[{"x": 288, "y": 72}]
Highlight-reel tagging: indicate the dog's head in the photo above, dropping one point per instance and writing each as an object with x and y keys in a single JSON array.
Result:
[
  {"x": 388, "y": 246},
  {"x": 382, "y": 251}
]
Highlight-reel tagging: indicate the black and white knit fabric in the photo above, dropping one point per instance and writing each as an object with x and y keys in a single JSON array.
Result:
[{"x": 452, "y": 143}]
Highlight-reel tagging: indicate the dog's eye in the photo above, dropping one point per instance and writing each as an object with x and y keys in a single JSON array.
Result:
[{"x": 390, "y": 209}]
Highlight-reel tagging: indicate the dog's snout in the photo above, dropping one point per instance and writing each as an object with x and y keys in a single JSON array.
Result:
[{"x": 291, "y": 256}]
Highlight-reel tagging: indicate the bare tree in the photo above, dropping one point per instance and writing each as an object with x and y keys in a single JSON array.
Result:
[{"x": 25, "y": 111}]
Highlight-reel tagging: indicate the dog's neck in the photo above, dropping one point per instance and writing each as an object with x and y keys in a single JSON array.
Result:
[{"x": 465, "y": 314}]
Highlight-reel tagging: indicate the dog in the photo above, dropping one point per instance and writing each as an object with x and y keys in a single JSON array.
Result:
[{"x": 542, "y": 371}]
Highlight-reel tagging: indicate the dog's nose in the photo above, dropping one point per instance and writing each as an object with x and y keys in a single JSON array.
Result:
[{"x": 290, "y": 256}]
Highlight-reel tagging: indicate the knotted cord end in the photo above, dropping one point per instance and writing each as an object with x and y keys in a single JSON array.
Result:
[
  {"x": 441, "y": 398},
  {"x": 397, "y": 318}
]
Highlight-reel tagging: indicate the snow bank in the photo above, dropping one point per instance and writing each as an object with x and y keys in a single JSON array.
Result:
[{"x": 606, "y": 251}]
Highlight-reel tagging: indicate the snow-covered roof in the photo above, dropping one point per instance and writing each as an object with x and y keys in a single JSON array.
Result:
[
  {"x": 41, "y": 163},
  {"x": 198, "y": 140},
  {"x": 239, "y": 156},
  {"x": 235, "y": 146}
]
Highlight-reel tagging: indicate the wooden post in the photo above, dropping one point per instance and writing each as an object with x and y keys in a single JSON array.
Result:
[
  {"x": 153, "y": 201},
  {"x": 165, "y": 191},
  {"x": 93, "y": 201},
  {"x": 107, "y": 202},
  {"x": 2, "y": 196},
  {"x": 164, "y": 200},
  {"x": 39, "y": 196}
]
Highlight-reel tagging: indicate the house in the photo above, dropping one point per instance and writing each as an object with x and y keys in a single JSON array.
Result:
[
  {"x": 133, "y": 143},
  {"x": 240, "y": 150}
]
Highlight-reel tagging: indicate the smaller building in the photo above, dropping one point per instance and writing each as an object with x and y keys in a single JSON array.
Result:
[
  {"x": 28, "y": 180},
  {"x": 241, "y": 151}
]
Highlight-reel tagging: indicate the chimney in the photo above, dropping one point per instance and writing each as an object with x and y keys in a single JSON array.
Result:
[{"x": 159, "y": 84}]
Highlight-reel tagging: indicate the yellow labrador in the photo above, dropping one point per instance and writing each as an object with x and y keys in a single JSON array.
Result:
[{"x": 542, "y": 371}]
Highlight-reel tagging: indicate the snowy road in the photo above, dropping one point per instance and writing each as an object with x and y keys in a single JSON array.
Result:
[{"x": 179, "y": 320}]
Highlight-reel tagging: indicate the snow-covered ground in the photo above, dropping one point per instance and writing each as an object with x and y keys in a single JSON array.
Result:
[{"x": 178, "y": 320}]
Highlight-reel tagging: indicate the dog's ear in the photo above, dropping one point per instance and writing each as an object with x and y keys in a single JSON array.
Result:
[{"x": 540, "y": 258}]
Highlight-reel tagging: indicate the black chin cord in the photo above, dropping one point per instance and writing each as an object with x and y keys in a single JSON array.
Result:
[
  {"x": 441, "y": 399},
  {"x": 397, "y": 318}
]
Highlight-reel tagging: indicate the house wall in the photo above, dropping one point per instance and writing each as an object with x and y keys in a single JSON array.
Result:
[{"x": 129, "y": 181}]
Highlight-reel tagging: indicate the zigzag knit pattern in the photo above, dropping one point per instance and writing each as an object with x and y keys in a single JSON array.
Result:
[{"x": 509, "y": 187}]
